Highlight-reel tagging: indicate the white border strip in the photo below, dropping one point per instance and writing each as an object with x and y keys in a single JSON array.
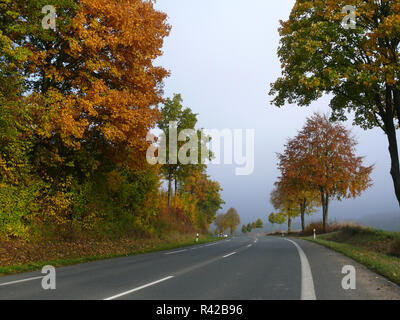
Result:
[
  {"x": 307, "y": 283},
  {"x": 138, "y": 288}
]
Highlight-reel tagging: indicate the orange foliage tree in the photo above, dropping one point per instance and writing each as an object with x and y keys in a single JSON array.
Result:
[
  {"x": 284, "y": 198},
  {"x": 96, "y": 76},
  {"x": 322, "y": 158},
  {"x": 91, "y": 87}
]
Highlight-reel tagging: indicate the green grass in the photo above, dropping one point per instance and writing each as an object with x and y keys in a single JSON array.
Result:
[
  {"x": 375, "y": 249},
  {"x": 66, "y": 262}
]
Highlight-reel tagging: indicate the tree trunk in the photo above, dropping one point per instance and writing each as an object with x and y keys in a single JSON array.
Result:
[
  {"x": 176, "y": 187},
  {"x": 302, "y": 213},
  {"x": 169, "y": 191},
  {"x": 325, "y": 207},
  {"x": 394, "y": 155},
  {"x": 289, "y": 224}
]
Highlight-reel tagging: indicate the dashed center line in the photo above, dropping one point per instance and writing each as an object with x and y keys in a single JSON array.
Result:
[
  {"x": 138, "y": 288},
  {"x": 19, "y": 281},
  {"x": 168, "y": 253},
  {"x": 228, "y": 255},
  {"x": 211, "y": 244}
]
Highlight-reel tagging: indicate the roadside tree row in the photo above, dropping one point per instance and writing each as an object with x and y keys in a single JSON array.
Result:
[{"x": 318, "y": 166}]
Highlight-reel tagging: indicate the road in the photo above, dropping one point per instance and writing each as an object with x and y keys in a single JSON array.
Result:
[{"x": 242, "y": 268}]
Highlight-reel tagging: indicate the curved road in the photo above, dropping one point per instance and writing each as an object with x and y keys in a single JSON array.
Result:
[{"x": 242, "y": 268}]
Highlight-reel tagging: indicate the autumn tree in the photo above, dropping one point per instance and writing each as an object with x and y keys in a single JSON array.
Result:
[
  {"x": 357, "y": 66},
  {"x": 84, "y": 97},
  {"x": 323, "y": 155},
  {"x": 95, "y": 74},
  {"x": 294, "y": 182},
  {"x": 208, "y": 197},
  {"x": 284, "y": 201},
  {"x": 244, "y": 229},
  {"x": 232, "y": 219},
  {"x": 221, "y": 223}
]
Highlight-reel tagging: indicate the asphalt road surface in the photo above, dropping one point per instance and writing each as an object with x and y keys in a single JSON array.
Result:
[{"x": 242, "y": 268}]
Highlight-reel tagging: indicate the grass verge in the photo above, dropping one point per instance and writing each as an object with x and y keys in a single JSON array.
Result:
[
  {"x": 35, "y": 266},
  {"x": 375, "y": 249}
]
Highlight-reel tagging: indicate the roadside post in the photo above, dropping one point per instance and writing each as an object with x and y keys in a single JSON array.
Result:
[
  {"x": 315, "y": 235},
  {"x": 197, "y": 237}
]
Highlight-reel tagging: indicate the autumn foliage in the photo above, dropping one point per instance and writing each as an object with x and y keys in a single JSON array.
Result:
[
  {"x": 317, "y": 166},
  {"x": 76, "y": 104},
  {"x": 358, "y": 67}
]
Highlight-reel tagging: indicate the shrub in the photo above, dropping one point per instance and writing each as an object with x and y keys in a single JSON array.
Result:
[
  {"x": 395, "y": 249},
  {"x": 332, "y": 227}
]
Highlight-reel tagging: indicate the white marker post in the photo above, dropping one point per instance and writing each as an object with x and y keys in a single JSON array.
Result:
[
  {"x": 197, "y": 237},
  {"x": 315, "y": 235}
]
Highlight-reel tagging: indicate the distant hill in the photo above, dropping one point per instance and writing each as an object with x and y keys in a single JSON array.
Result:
[{"x": 389, "y": 222}]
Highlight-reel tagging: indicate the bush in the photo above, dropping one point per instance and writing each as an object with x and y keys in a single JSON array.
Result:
[
  {"x": 395, "y": 249},
  {"x": 331, "y": 227}
]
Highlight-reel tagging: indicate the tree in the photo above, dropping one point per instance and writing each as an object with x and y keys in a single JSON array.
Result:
[
  {"x": 81, "y": 99},
  {"x": 244, "y": 229},
  {"x": 174, "y": 112},
  {"x": 276, "y": 219},
  {"x": 221, "y": 223},
  {"x": 232, "y": 220},
  {"x": 285, "y": 201},
  {"x": 259, "y": 224},
  {"x": 208, "y": 197},
  {"x": 324, "y": 154},
  {"x": 357, "y": 66},
  {"x": 294, "y": 181},
  {"x": 249, "y": 228},
  {"x": 95, "y": 75}
]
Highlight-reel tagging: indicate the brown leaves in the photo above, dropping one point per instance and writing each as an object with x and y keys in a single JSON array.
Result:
[
  {"x": 322, "y": 157},
  {"x": 100, "y": 78}
]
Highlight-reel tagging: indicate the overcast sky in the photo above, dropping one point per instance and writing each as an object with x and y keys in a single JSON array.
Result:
[{"x": 222, "y": 56}]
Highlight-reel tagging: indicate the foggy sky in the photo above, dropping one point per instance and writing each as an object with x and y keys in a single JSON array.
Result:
[{"x": 222, "y": 58}]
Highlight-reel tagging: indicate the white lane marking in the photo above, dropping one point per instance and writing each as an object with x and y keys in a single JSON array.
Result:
[
  {"x": 228, "y": 255},
  {"x": 175, "y": 252},
  {"x": 211, "y": 244},
  {"x": 307, "y": 283},
  {"x": 138, "y": 288},
  {"x": 249, "y": 245},
  {"x": 19, "y": 281}
]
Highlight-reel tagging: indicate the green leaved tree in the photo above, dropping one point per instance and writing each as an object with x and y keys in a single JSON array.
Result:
[{"x": 359, "y": 67}]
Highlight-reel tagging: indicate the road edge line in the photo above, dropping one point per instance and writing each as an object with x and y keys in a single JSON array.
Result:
[{"x": 307, "y": 282}]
